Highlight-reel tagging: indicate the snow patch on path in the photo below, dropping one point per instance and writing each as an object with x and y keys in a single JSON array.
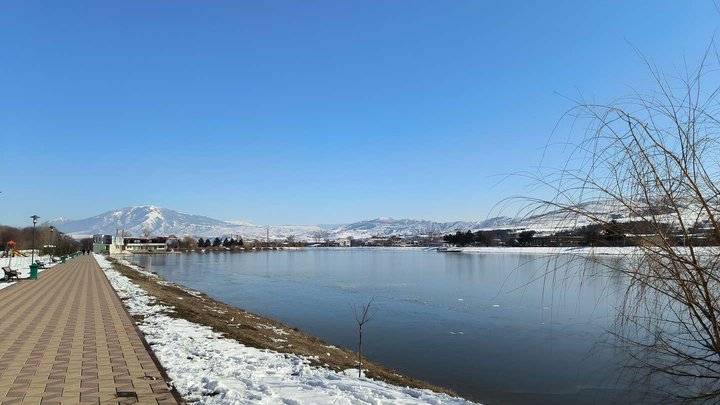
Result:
[{"x": 206, "y": 368}]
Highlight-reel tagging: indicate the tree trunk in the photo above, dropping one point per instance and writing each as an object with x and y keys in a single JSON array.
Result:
[{"x": 360, "y": 355}]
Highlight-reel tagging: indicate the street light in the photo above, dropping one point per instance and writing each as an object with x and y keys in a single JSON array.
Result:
[
  {"x": 32, "y": 255},
  {"x": 52, "y": 245}
]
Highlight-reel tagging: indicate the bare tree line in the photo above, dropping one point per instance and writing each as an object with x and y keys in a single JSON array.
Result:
[{"x": 44, "y": 237}]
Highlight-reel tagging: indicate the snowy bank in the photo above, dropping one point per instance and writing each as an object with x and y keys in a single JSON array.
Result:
[
  {"x": 209, "y": 369},
  {"x": 22, "y": 266},
  {"x": 536, "y": 250},
  {"x": 579, "y": 251}
]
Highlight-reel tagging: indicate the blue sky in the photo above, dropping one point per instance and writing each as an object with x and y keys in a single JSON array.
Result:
[{"x": 300, "y": 112}]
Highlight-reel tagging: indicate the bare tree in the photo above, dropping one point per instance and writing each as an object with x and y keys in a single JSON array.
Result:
[
  {"x": 189, "y": 242},
  {"x": 321, "y": 236},
  {"x": 653, "y": 158},
  {"x": 363, "y": 315}
]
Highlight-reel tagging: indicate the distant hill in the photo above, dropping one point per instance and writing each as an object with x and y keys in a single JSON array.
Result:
[
  {"x": 159, "y": 221},
  {"x": 163, "y": 221}
]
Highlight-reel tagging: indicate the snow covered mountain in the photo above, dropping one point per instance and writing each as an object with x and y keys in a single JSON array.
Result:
[
  {"x": 390, "y": 227},
  {"x": 158, "y": 221},
  {"x": 139, "y": 220},
  {"x": 154, "y": 220}
]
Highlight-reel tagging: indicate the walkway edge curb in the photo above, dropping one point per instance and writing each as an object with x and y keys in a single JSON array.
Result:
[{"x": 147, "y": 346}]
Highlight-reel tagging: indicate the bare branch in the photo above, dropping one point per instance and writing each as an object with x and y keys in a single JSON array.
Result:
[{"x": 651, "y": 160}]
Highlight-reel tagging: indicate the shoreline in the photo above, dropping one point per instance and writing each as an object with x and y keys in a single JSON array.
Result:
[
  {"x": 588, "y": 251},
  {"x": 267, "y": 335}
]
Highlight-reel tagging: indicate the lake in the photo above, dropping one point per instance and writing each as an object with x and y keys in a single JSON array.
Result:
[{"x": 488, "y": 326}]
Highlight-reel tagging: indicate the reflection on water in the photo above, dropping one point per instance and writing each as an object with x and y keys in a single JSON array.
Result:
[{"x": 491, "y": 327}]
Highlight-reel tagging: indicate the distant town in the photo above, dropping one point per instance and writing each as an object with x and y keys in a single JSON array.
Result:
[
  {"x": 612, "y": 233},
  {"x": 118, "y": 244}
]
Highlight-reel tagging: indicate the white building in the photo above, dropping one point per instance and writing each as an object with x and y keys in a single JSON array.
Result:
[
  {"x": 145, "y": 244},
  {"x": 108, "y": 244},
  {"x": 114, "y": 245}
]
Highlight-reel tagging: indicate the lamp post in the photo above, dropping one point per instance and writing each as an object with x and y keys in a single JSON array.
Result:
[
  {"x": 33, "y": 265},
  {"x": 32, "y": 255},
  {"x": 52, "y": 245}
]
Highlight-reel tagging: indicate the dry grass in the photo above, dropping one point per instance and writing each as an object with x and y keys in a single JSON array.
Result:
[{"x": 260, "y": 332}]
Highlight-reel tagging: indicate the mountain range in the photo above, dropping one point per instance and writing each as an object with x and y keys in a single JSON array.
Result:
[{"x": 158, "y": 221}]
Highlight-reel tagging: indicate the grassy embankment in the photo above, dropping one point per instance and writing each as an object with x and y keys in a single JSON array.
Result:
[{"x": 253, "y": 330}]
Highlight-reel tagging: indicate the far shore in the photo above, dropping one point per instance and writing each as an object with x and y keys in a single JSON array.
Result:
[{"x": 523, "y": 250}]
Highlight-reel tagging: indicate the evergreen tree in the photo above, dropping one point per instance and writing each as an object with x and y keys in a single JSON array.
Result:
[
  {"x": 216, "y": 242},
  {"x": 614, "y": 232},
  {"x": 460, "y": 238},
  {"x": 467, "y": 238},
  {"x": 526, "y": 237}
]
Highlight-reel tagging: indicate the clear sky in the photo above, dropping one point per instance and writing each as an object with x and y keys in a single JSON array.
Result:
[{"x": 302, "y": 112}]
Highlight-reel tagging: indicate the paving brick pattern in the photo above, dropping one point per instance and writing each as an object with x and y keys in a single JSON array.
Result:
[{"x": 66, "y": 339}]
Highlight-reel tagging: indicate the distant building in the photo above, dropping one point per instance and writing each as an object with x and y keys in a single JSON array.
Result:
[
  {"x": 134, "y": 244},
  {"x": 378, "y": 241},
  {"x": 344, "y": 242},
  {"x": 108, "y": 244}
]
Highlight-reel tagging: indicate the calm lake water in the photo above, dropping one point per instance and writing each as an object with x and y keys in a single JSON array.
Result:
[{"x": 486, "y": 325}]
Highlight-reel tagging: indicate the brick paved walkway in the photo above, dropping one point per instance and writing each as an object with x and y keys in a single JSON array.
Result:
[{"x": 66, "y": 338}]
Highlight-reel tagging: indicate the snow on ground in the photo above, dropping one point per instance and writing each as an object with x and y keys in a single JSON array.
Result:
[
  {"x": 209, "y": 369},
  {"x": 22, "y": 266},
  {"x": 579, "y": 251},
  {"x": 551, "y": 250},
  {"x": 355, "y": 248}
]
